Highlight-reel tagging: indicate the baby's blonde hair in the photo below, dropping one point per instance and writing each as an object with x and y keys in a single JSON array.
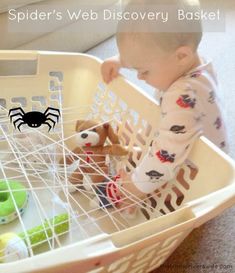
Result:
[{"x": 168, "y": 37}]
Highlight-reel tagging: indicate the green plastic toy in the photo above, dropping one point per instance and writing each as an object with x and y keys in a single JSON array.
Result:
[{"x": 14, "y": 247}]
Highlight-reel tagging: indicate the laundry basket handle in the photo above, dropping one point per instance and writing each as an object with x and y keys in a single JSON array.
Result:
[
  {"x": 211, "y": 205},
  {"x": 10, "y": 55}
]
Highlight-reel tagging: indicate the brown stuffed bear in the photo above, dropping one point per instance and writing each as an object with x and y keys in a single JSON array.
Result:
[{"x": 92, "y": 150}]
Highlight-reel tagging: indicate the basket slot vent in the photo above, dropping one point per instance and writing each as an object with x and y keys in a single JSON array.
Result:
[
  {"x": 3, "y": 103},
  {"x": 18, "y": 67},
  {"x": 40, "y": 99},
  {"x": 20, "y": 100},
  {"x": 56, "y": 83},
  {"x": 121, "y": 265}
]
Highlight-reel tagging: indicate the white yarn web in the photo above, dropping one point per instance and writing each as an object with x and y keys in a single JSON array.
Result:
[{"x": 32, "y": 158}]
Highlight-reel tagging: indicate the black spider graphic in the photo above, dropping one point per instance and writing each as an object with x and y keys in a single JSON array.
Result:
[{"x": 34, "y": 119}]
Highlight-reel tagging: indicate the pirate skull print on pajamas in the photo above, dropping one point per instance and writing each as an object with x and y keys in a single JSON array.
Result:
[{"x": 189, "y": 109}]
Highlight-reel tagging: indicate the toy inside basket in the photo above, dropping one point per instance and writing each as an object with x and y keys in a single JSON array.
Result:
[{"x": 72, "y": 84}]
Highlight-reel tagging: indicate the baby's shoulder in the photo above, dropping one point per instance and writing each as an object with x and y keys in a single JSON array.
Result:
[
  {"x": 181, "y": 94},
  {"x": 180, "y": 87}
]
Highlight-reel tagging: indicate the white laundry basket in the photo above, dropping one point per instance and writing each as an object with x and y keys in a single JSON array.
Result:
[{"x": 203, "y": 188}]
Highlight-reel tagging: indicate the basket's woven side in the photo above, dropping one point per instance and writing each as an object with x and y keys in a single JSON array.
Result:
[
  {"x": 171, "y": 196},
  {"x": 147, "y": 259},
  {"x": 137, "y": 133},
  {"x": 134, "y": 131}
]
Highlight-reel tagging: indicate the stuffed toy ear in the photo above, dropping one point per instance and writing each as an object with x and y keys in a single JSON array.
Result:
[
  {"x": 113, "y": 137},
  {"x": 79, "y": 124}
]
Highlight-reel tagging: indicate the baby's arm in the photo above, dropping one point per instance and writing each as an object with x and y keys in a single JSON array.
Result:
[{"x": 110, "y": 68}]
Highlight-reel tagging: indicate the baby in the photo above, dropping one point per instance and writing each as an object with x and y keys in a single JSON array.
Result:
[{"x": 169, "y": 61}]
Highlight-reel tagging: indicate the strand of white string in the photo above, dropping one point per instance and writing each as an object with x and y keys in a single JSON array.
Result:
[
  {"x": 86, "y": 162},
  {"x": 91, "y": 174},
  {"x": 42, "y": 212},
  {"x": 60, "y": 181}
]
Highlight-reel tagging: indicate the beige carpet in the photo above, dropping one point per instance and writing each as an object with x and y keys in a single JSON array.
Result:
[{"x": 214, "y": 242}]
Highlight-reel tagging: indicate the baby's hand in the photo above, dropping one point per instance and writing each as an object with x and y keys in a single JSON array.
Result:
[
  {"x": 110, "y": 69},
  {"x": 128, "y": 207}
]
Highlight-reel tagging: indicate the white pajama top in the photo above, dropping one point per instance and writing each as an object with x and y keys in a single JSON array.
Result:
[{"x": 189, "y": 108}]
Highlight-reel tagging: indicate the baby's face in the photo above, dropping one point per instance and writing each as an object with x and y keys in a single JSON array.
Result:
[{"x": 156, "y": 67}]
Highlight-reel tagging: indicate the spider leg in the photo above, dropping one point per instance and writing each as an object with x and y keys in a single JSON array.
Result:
[
  {"x": 51, "y": 108},
  {"x": 47, "y": 123},
  {"x": 17, "y": 121},
  {"x": 17, "y": 108},
  {"x": 52, "y": 121},
  {"x": 17, "y": 114},
  {"x": 54, "y": 115},
  {"x": 20, "y": 125}
]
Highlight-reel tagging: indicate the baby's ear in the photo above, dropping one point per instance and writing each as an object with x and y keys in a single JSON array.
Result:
[
  {"x": 183, "y": 54},
  {"x": 113, "y": 137},
  {"x": 79, "y": 124}
]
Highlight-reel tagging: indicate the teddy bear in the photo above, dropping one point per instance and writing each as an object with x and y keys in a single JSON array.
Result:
[{"x": 91, "y": 151}]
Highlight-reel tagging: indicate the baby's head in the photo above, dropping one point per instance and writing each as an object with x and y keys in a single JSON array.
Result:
[{"x": 160, "y": 57}]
